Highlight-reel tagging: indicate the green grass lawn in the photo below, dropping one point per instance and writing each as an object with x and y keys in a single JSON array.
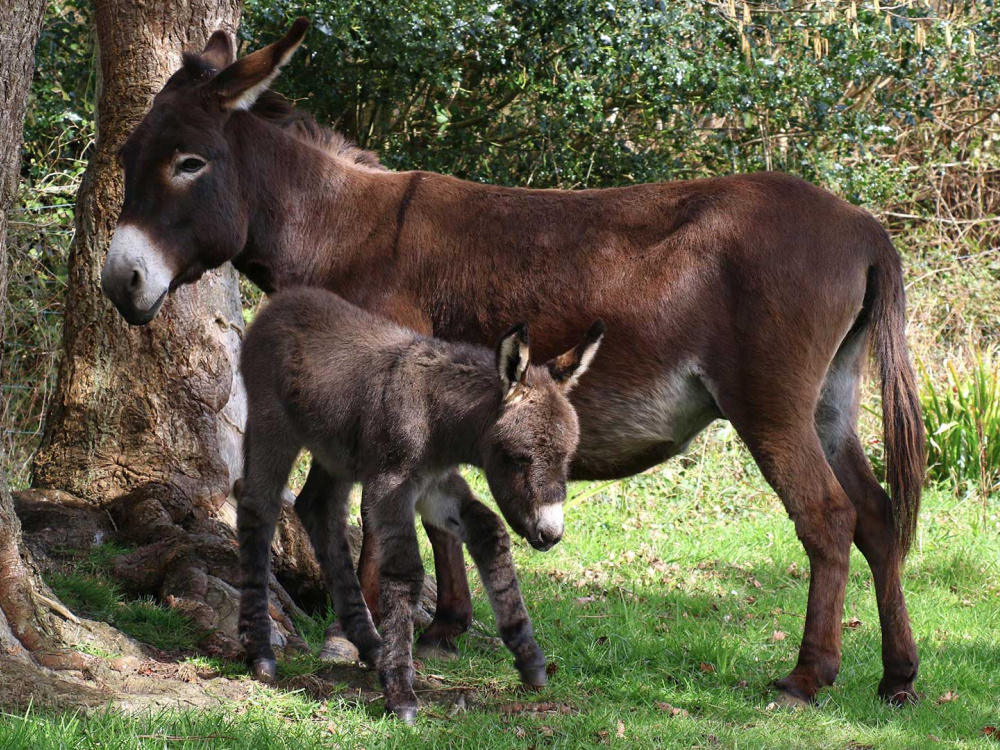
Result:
[{"x": 674, "y": 600}]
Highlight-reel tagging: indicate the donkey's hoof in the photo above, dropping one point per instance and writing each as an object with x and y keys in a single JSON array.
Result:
[
  {"x": 791, "y": 695},
  {"x": 339, "y": 651},
  {"x": 901, "y": 695},
  {"x": 265, "y": 670},
  {"x": 535, "y": 677},
  {"x": 428, "y": 651},
  {"x": 406, "y": 714}
]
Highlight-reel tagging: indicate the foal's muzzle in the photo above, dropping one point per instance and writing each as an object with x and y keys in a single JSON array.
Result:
[
  {"x": 136, "y": 276},
  {"x": 548, "y": 527}
]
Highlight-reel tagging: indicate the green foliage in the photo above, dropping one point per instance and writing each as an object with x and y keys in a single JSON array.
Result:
[
  {"x": 962, "y": 417},
  {"x": 87, "y": 588},
  {"x": 594, "y": 93}
]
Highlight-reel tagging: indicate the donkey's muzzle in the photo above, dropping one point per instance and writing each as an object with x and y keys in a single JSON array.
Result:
[
  {"x": 548, "y": 527},
  {"x": 135, "y": 277}
]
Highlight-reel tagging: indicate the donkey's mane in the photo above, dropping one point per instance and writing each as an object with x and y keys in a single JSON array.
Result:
[{"x": 276, "y": 109}]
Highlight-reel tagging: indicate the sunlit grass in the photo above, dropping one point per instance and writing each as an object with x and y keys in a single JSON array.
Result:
[{"x": 674, "y": 600}]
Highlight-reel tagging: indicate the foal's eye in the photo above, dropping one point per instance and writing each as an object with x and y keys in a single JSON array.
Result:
[{"x": 190, "y": 164}]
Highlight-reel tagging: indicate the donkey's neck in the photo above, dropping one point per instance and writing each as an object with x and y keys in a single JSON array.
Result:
[
  {"x": 465, "y": 401},
  {"x": 313, "y": 214}
]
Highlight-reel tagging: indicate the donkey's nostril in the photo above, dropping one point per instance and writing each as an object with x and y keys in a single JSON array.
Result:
[{"x": 136, "y": 280}]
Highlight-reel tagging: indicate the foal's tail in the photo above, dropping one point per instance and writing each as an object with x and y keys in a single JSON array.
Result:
[{"x": 902, "y": 421}]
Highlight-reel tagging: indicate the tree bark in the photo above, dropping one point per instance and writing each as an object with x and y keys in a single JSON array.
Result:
[
  {"x": 146, "y": 423},
  {"x": 24, "y": 620}
]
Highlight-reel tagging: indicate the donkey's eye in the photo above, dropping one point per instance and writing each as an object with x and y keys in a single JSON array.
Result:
[{"x": 190, "y": 164}]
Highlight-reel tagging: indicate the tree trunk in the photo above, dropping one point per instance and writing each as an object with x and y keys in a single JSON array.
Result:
[
  {"x": 34, "y": 626},
  {"x": 146, "y": 423},
  {"x": 24, "y": 620}
]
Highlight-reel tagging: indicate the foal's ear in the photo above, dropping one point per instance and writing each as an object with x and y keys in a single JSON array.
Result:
[
  {"x": 512, "y": 360},
  {"x": 567, "y": 368},
  {"x": 239, "y": 85},
  {"x": 219, "y": 53}
]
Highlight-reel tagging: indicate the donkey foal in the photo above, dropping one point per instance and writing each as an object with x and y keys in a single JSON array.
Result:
[{"x": 398, "y": 412}]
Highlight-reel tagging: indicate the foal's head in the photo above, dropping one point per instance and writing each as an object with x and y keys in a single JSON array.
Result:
[
  {"x": 183, "y": 211},
  {"x": 527, "y": 451}
]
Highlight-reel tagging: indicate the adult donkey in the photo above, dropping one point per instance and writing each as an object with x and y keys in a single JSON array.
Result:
[{"x": 754, "y": 298}]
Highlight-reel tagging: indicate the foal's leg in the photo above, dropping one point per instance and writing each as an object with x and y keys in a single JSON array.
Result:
[
  {"x": 784, "y": 442},
  {"x": 388, "y": 503},
  {"x": 453, "y": 508},
  {"x": 322, "y": 506},
  {"x": 836, "y": 420},
  {"x": 269, "y": 454}
]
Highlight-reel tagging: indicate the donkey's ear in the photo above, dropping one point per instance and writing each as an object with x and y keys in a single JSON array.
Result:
[
  {"x": 512, "y": 360},
  {"x": 219, "y": 53},
  {"x": 239, "y": 85},
  {"x": 567, "y": 368}
]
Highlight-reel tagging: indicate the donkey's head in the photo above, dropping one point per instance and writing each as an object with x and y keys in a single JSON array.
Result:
[
  {"x": 183, "y": 212},
  {"x": 528, "y": 449}
]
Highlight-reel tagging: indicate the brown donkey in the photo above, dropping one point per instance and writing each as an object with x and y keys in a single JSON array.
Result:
[
  {"x": 753, "y": 298},
  {"x": 379, "y": 404}
]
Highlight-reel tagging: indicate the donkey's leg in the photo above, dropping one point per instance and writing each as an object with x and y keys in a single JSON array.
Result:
[
  {"x": 452, "y": 507},
  {"x": 389, "y": 506},
  {"x": 489, "y": 545},
  {"x": 836, "y": 421},
  {"x": 270, "y": 452},
  {"x": 322, "y": 507},
  {"x": 453, "y": 613},
  {"x": 876, "y": 538},
  {"x": 783, "y": 440}
]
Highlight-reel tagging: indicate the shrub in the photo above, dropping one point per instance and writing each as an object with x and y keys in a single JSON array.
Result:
[{"x": 962, "y": 417}]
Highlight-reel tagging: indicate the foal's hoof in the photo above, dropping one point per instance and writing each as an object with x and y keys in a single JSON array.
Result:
[
  {"x": 535, "y": 677},
  {"x": 339, "y": 651},
  {"x": 265, "y": 670},
  {"x": 900, "y": 695},
  {"x": 406, "y": 714}
]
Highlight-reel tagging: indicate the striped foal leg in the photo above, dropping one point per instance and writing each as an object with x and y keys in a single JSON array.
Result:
[
  {"x": 489, "y": 544},
  {"x": 388, "y": 507},
  {"x": 268, "y": 458},
  {"x": 322, "y": 506}
]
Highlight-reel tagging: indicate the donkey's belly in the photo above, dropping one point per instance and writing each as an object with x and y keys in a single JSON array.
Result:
[{"x": 624, "y": 433}]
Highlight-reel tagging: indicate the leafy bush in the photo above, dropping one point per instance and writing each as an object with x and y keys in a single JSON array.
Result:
[
  {"x": 595, "y": 93},
  {"x": 962, "y": 417}
]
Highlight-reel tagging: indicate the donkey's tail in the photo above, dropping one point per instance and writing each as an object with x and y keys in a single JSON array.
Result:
[{"x": 902, "y": 421}]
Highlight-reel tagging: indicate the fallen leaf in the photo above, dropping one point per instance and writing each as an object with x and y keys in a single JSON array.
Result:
[
  {"x": 992, "y": 732},
  {"x": 672, "y": 710},
  {"x": 621, "y": 729},
  {"x": 519, "y": 732},
  {"x": 777, "y": 635},
  {"x": 947, "y": 698},
  {"x": 854, "y": 622},
  {"x": 771, "y": 706},
  {"x": 584, "y": 600},
  {"x": 707, "y": 668}
]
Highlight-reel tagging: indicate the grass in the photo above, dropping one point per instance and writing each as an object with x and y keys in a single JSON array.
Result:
[
  {"x": 86, "y": 588},
  {"x": 673, "y": 602},
  {"x": 962, "y": 416}
]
